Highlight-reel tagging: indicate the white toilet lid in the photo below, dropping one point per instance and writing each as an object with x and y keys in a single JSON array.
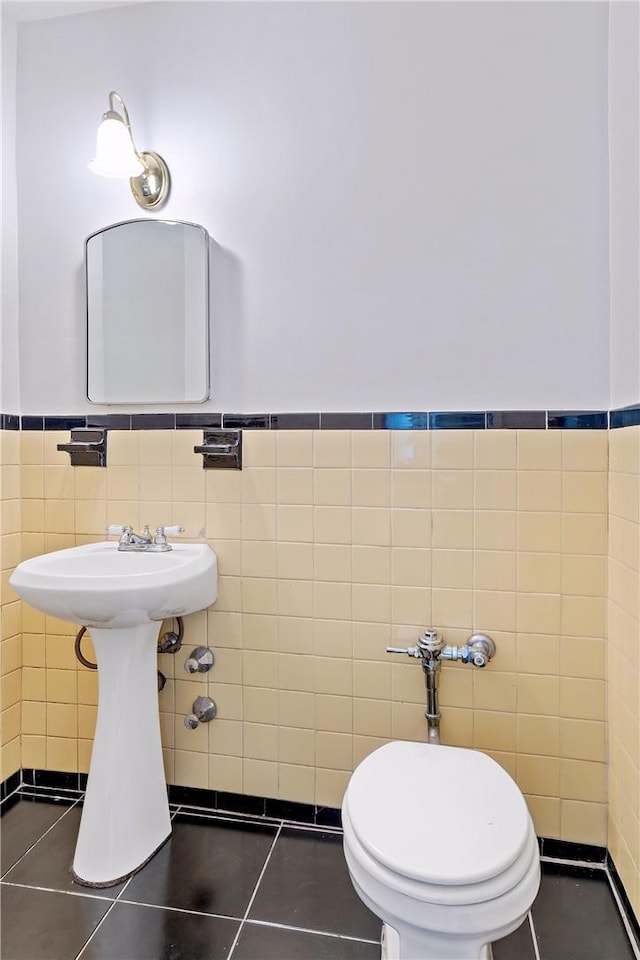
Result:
[{"x": 442, "y": 815}]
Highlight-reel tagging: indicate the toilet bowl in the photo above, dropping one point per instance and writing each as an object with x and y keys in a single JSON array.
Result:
[{"x": 440, "y": 845}]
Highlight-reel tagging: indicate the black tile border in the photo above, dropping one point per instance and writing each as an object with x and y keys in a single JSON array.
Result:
[
  {"x": 64, "y": 423},
  {"x": 153, "y": 421},
  {"x": 568, "y": 850},
  {"x": 32, "y": 423},
  {"x": 238, "y": 803},
  {"x": 9, "y": 421},
  {"x": 391, "y": 420},
  {"x": 458, "y": 420},
  {"x": 219, "y": 801},
  {"x": 198, "y": 421},
  {"x": 577, "y": 419},
  {"x": 246, "y": 421},
  {"x": 52, "y": 779},
  {"x": 112, "y": 421},
  {"x": 346, "y": 421},
  {"x": 295, "y": 421},
  {"x": 400, "y": 421},
  {"x": 616, "y": 882},
  {"x": 625, "y": 417},
  {"x": 516, "y": 420},
  {"x": 8, "y": 786}
]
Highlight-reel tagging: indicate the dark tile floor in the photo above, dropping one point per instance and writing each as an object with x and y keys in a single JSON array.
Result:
[{"x": 231, "y": 888}]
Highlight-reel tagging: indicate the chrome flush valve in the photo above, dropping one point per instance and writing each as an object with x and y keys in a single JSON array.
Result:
[
  {"x": 482, "y": 648},
  {"x": 429, "y": 647},
  {"x": 432, "y": 650},
  {"x": 478, "y": 650}
]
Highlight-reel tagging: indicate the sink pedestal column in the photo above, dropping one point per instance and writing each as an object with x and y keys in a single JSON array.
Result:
[{"x": 126, "y": 811}]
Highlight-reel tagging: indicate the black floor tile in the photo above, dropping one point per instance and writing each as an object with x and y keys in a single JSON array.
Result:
[
  {"x": 273, "y": 943},
  {"x": 517, "y": 946},
  {"x": 24, "y": 820},
  {"x": 306, "y": 884},
  {"x": 207, "y": 865},
  {"x": 576, "y": 918},
  {"x": 40, "y": 925},
  {"x": 151, "y": 933},
  {"x": 48, "y": 864}
]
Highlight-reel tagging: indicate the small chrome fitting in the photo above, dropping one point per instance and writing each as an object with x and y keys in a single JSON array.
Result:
[
  {"x": 200, "y": 661},
  {"x": 204, "y": 711}
]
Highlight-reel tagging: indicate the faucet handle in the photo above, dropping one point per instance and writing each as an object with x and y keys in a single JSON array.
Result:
[
  {"x": 160, "y": 538},
  {"x": 411, "y": 651},
  {"x": 115, "y": 529}
]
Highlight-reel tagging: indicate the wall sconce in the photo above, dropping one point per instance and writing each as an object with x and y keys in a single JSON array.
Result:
[{"x": 117, "y": 157}]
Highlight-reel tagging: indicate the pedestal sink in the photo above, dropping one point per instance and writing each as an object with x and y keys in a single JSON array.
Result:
[{"x": 122, "y": 598}]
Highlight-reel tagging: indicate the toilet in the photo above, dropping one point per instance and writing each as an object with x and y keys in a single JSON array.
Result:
[{"x": 440, "y": 845}]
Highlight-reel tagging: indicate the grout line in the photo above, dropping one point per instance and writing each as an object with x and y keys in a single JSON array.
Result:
[
  {"x": 228, "y": 816},
  {"x": 45, "y": 793},
  {"x": 41, "y": 837},
  {"x": 67, "y": 893},
  {"x": 127, "y": 882},
  {"x": 574, "y": 863},
  {"x": 93, "y": 933},
  {"x": 627, "y": 926},
  {"x": 12, "y": 794},
  {"x": 190, "y": 913},
  {"x": 255, "y": 891},
  {"x": 315, "y": 827},
  {"x": 318, "y": 933},
  {"x": 532, "y": 930}
]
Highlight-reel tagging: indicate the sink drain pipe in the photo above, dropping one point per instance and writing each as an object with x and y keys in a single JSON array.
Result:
[
  {"x": 79, "y": 654},
  {"x": 94, "y": 666}
]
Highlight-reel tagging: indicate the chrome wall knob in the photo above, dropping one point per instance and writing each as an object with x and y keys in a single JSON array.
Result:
[
  {"x": 204, "y": 710},
  {"x": 200, "y": 661}
]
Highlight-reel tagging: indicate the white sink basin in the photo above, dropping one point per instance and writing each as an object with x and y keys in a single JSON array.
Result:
[
  {"x": 97, "y": 585},
  {"x": 122, "y": 598}
]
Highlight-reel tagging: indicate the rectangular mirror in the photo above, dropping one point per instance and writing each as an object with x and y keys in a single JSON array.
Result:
[{"x": 148, "y": 313}]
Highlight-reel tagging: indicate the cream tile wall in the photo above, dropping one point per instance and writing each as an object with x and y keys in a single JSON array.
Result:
[
  {"x": 624, "y": 658},
  {"x": 10, "y": 606},
  {"x": 331, "y": 545}
]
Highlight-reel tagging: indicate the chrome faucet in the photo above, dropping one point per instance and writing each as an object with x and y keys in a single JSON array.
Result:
[{"x": 131, "y": 542}]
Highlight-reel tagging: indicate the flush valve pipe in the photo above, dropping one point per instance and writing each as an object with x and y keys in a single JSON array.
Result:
[{"x": 431, "y": 650}]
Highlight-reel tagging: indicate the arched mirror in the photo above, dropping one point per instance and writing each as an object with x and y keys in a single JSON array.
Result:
[{"x": 148, "y": 313}]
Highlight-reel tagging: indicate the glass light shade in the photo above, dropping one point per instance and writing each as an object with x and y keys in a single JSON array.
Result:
[{"x": 115, "y": 153}]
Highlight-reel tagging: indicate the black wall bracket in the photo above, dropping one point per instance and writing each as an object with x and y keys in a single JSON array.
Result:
[
  {"x": 221, "y": 450},
  {"x": 87, "y": 447}
]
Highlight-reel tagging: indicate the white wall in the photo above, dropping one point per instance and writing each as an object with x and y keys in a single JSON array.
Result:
[
  {"x": 624, "y": 133},
  {"x": 9, "y": 368},
  {"x": 410, "y": 199}
]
